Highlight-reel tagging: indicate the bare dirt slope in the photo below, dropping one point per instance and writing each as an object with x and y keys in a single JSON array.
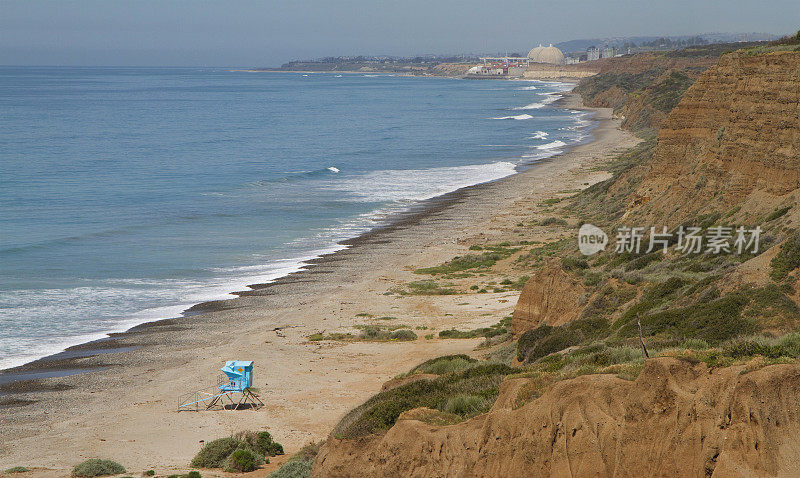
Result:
[
  {"x": 734, "y": 139},
  {"x": 674, "y": 420}
]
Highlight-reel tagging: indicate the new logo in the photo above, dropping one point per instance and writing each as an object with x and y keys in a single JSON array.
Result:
[{"x": 591, "y": 239}]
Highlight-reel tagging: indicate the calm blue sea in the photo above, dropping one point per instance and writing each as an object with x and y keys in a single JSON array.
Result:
[{"x": 129, "y": 194}]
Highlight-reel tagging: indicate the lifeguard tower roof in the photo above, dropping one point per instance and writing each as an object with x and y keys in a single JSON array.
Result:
[
  {"x": 240, "y": 375},
  {"x": 238, "y": 363}
]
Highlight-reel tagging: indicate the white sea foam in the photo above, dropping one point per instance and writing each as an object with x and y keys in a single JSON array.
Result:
[
  {"x": 99, "y": 304},
  {"x": 333, "y": 169},
  {"x": 538, "y": 135},
  {"x": 553, "y": 145},
  {"x": 419, "y": 184},
  {"x": 532, "y": 106},
  {"x": 528, "y": 88},
  {"x": 515, "y": 117}
]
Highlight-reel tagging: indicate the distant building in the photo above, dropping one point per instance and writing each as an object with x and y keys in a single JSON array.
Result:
[
  {"x": 500, "y": 67},
  {"x": 595, "y": 53},
  {"x": 608, "y": 52},
  {"x": 546, "y": 54}
]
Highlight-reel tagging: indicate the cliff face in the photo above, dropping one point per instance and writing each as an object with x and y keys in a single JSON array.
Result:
[
  {"x": 674, "y": 420},
  {"x": 732, "y": 141},
  {"x": 731, "y": 144},
  {"x": 543, "y": 71},
  {"x": 643, "y": 88},
  {"x": 735, "y": 136},
  {"x": 550, "y": 297}
]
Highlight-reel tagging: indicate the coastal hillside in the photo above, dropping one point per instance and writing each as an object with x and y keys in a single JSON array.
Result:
[
  {"x": 645, "y": 87},
  {"x": 736, "y": 134},
  {"x": 634, "y": 363}
]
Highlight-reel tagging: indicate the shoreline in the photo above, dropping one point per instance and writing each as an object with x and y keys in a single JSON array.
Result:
[
  {"x": 56, "y": 361},
  {"x": 131, "y": 417}
]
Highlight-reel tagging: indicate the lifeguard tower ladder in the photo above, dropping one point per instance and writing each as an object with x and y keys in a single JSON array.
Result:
[{"x": 237, "y": 379}]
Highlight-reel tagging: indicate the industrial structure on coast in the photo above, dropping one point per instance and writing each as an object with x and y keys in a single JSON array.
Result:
[{"x": 549, "y": 56}]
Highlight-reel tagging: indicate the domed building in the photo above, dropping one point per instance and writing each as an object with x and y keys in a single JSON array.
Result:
[{"x": 546, "y": 54}]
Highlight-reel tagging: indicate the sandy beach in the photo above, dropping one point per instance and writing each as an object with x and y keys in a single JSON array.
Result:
[{"x": 125, "y": 408}]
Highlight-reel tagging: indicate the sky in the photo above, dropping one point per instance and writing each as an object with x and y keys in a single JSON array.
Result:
[{"x": 271, "y": 32}]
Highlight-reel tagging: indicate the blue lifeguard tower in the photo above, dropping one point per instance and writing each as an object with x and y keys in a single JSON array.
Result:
[
  {"x": 240, "y": 375},
  {"x": 237, "y": 379}
]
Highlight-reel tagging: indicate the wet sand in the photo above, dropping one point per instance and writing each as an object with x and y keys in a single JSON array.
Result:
[{"x": 122, "y": 404}]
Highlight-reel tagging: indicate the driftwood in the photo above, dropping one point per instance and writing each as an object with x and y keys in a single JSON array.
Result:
[{"x": 278, "y": 332}]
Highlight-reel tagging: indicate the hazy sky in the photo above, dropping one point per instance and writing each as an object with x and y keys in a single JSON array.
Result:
[{"x": 269, "y": 32}]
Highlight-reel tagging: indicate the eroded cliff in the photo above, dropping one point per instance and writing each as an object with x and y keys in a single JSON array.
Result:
[
  {"x": 733, "y": 140},
  {"x": 674, "y": 420}
]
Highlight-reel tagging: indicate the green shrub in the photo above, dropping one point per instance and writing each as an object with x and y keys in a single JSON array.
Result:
[
  {"x": 528, "y": 340},
  {"x": 445, "y": 364},
  {"x": 471, "y": 261},
  {"x": 642, "y": 261},
  {"x": 381, "y": 411},
  {"x": 777, "y": 213},
  {"x": 592, "y": 278},
  {"x": 194, "y": 474},
  {"x": 403, "y": 334},
  {"x": 553, "y": 221},
  {"x": 242, "y": 460},
  {"x": 466, "y": 405},
  {"x": 97, "y": 467},
  {"x": 220, "y": 452},
  {"x": 607, "y": 301},
  {"x": 265, "y": 445},
  {"x": 372, "y": 332},
  {"x": 786, "y": 346},
  {"x": 442, "y": 367},
  {"x": 664, "y": 289},
  {"x": 214, "y": 453},
  {"x": 499, "y": 328},
  {"x": 695, "y": 344},
  {"x": 293, "y": 469},
  {"x": 150, "y": 473},
  {"x": 787, "y": 259},
  {"x": 308, "y": 453},
  {"x": 544, "y": 340},
  {"x": 574, "y": 263},
  {"x": 427, "y": 287},
  {"x": 17, "y": 469},
  {"x": 713, "y": 321},
  {"x": 375, "y": 332}
]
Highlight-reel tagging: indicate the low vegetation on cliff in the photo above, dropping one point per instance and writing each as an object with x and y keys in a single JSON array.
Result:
[{"x": 463, "y": 388}]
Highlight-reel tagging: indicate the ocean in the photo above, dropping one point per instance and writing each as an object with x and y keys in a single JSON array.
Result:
[{"x": 129, "y": 194}]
